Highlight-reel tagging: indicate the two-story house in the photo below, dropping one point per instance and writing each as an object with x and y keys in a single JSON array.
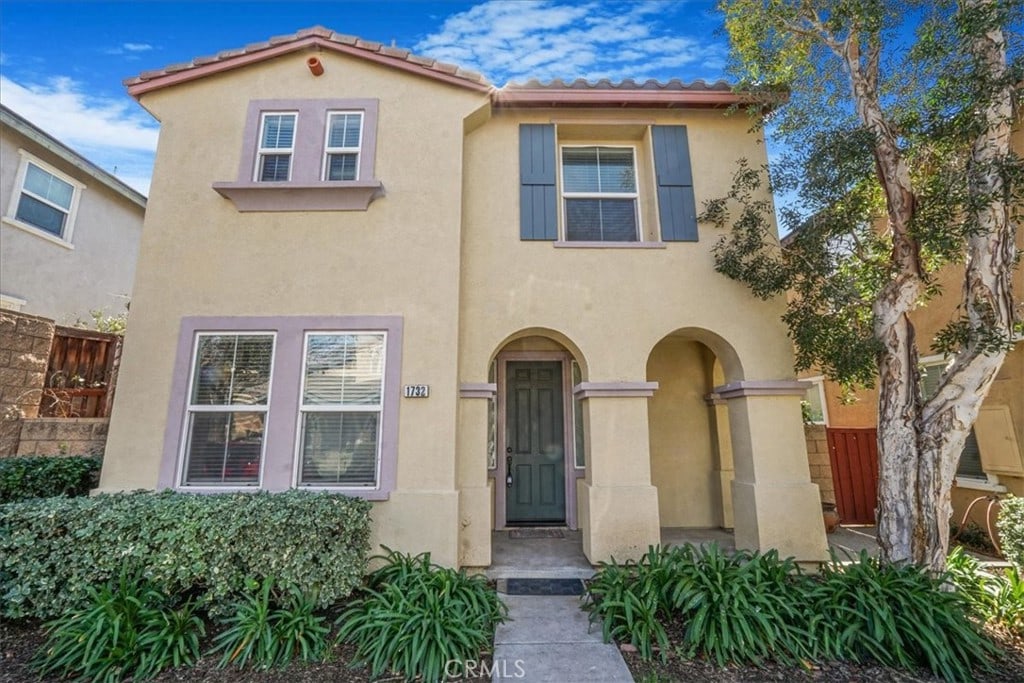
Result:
[
  {"x": 369, "y": 272},
  {"x": 69, "y": 231}
]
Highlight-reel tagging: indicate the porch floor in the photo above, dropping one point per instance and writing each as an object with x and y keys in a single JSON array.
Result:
[{"x": 563, "y": 558}]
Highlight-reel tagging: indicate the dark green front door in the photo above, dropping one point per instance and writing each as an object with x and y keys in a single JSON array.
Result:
[{"x": 535, "y": 443}]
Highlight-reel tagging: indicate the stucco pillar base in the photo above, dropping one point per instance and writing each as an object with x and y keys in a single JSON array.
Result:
[
  {"x": 618, "y": 521},
  {"x": 475, "y": 526},
  {"x": 783, "y": 516},
  {"x": 416, "y": 522},
  {"x": 725, "y": 478}
]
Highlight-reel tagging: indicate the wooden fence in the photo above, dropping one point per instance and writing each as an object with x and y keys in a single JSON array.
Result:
[
  {"x": 854, "y": 457},
  {"x": 81, "y": 374}
]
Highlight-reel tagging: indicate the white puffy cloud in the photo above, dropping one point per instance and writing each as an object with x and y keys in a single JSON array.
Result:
[
  {"x": 112, "y": 133},
  {"x": 548, "y": 39}
]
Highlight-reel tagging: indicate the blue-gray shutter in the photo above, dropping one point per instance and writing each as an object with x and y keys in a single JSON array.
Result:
[
  {"x": 538, "y": 217},
  {"x": 676, "y": 204}
]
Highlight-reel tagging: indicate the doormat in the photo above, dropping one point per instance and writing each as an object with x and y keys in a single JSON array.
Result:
[
  {"x": 544, "y": 587},
  {"x": 517, "y": 534}
]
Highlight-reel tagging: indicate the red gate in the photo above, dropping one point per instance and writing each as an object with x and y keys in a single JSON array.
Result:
[{"x": 854, "y": 457}]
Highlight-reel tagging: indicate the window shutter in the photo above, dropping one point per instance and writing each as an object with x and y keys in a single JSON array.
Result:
[
  {"x": 537, "y": 199},
  {"x": 676, "y": 204}
]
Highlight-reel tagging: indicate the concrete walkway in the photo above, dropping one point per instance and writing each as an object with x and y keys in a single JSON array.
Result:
[{"x": 548, "y": 638}]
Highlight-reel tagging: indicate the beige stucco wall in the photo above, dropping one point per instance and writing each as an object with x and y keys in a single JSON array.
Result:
[
  {"x": 401, "y": 257},
  {"x": 57, "y": 282}
]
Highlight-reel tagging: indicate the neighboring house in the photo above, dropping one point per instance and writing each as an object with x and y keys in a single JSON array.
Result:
[
  {"x": 70, "y": 231},
  {"x": 993, "y": 458},
  {"x": 369, "y": 272}
]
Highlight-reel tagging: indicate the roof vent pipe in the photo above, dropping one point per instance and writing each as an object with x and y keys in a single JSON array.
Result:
[{"x": 315, "y": 67}]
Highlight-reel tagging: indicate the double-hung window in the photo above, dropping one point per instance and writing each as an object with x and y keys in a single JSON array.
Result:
[
  {"x": 340, "y": 412},
  {"x": 44, "y": 200},
  {"x": 276, "y": 147},
  {"x": 227, "y": 409},
  {"x": 341, "y": 151},
  {"x": 599, "y": 193}
]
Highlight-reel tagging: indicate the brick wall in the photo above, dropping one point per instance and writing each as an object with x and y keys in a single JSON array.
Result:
[
  {"x": 63, "y": 436},
  {"x": 24, "y": 350},
  {"x": 817, "y": 458}
]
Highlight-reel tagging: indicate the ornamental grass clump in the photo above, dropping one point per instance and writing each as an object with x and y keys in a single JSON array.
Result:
[{"x": 413, "y": 618}]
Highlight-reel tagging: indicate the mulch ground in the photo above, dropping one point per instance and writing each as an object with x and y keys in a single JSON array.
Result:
[
  {"x": 1009, "y": 669},
  {"x": 19, "y": 642}
]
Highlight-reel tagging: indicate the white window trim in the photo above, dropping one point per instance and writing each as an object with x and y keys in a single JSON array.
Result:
[
  {"x": 635, "y": 195},
  {"x": 64, "y": 239},
  {"x": 328, "y": 150},
  {"x": 12, "y": 303},
  {"x": 819, "y": 382},
  {"x": 334, "y": 408},
  {"x": 262, "y": 151},
  {"x": 990, "y": 484},
  {"x": 182, "y": 467}
]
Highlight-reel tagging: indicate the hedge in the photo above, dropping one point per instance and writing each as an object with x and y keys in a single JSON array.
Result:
[
  {"x": 1011, "y": 530},
  {"x": 24, "y": 477},
  {"x": 52, "y": 549}
]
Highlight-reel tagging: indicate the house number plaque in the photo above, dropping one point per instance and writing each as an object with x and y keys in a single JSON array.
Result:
[{"x": 417, "y": 390}]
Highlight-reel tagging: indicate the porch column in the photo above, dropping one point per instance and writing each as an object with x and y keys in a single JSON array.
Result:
[
  {"x": 475, "y": 504},
  {"x": 722, "y": 440},
  {"x": 618, "y": 506},
  {"x": 775, "y": 505}
]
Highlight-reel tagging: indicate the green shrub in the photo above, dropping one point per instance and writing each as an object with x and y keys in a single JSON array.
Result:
[
  {"x": 52, "y": 550},
  {"x": 897, "y": 615},
  {"x": 413, "y": 617},
  {"x": 1010, "y": 523},
  {"x": 994, "y": 596},
  {"x": 25, "y": 477},
  {"x": 268, "y": 629},
  {"x": 128, "y": 628}
]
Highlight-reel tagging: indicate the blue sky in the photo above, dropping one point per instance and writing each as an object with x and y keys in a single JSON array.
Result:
[{"x": 62, "y": 63}]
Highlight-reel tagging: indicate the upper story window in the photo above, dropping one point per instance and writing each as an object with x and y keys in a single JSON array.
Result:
[
  {"x": 45, "y": 200},
  {"x": 277, "y": 144},
  {"x": 341, "y": 153},
  {"x": 600, "y": 194},
  {"x": 307, "y": 155}
]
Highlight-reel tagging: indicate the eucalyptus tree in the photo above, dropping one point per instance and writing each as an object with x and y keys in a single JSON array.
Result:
[{"x": 896, "y": 132}]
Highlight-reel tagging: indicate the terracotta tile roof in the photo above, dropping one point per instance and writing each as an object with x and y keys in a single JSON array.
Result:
[
  {"x": 628, "y": 84},
  {"x": 317, "y": 35}
]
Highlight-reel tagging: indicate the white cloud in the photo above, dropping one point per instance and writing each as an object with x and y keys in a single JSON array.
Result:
[
  {"x": 548, "y": 39},
  {"x": 137, "y": 47},
  {"x": 112, "y": 133}
]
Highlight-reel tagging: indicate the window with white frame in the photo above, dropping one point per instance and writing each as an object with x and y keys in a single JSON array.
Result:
[
  {"x": 276, "y": 147},
  {"x": 599, "y": 194},
  {"x": 229, "y": 396},
  {"x": 969, "y": 465},
  {"x": 45, "y": 199},
  {"x": 813, "y": 405},
  {"x": 340, "y": 413},
  {"x": 341, "y": 150}
]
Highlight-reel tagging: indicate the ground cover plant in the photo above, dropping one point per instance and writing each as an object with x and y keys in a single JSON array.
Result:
[
  {"x": 52, "y": 550},
  {"x": 26, "y": 477},
  {"x": 750, "y": 608},
  {"x": 414, "y": 617},
  {"x": 1010, "y": 523}
]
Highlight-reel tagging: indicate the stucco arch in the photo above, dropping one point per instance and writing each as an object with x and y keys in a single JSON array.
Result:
[
  {"x": 547, "y": 333},
  {"x": 724, "y": 351}
]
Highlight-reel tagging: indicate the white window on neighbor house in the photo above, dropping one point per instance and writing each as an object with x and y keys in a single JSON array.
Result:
[
  {"x": 969, "y": 469},
  {"x": 276, "y": 147},
  {"x": 45, "y": 200},
  {"x": 229, "y": 395},
  {"x": 814, "y": 405},
  {"x": 342, "y": 146},
  {"x": 599, "y": 194},
  {"x": 341, "y": 408}
]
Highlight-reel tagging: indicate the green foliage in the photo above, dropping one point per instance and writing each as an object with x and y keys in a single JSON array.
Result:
[
  {"x": 749, "y": 608},
  {"x": 102, "y": 322},
  {"x": 267, "y": 629},
  {"x": 1010, "y": 523},
  {"x": 127, "y": 628},
  {"x": 52, "y": 550},
  {"x": 25, "y": 477},
  {"x": 897, "y": 615},
  {"x": 413, "y": 617},
  {"x": 995, "y": 597}
]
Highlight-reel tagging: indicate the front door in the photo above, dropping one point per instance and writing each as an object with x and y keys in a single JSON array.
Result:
[{"x": 534, "y": 443}]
